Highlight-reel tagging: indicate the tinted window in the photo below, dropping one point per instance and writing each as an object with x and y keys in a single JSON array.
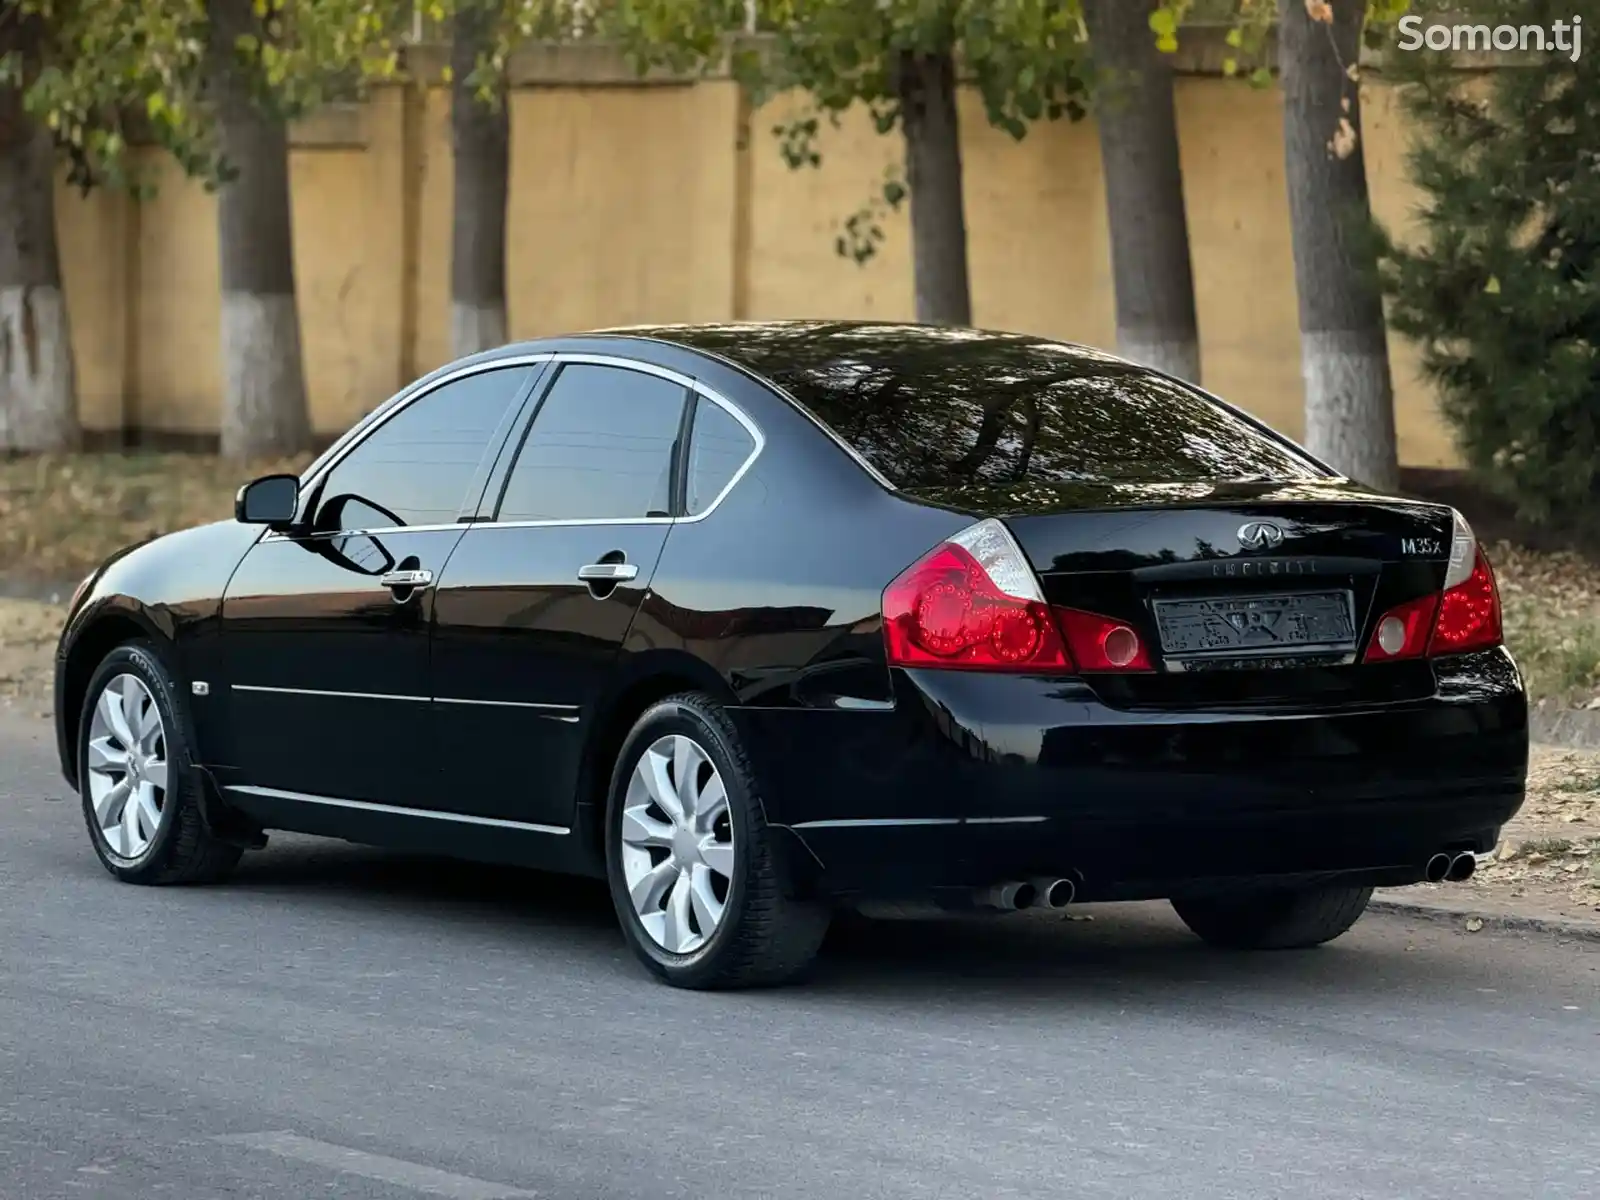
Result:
[
  {"x": 717, "y": 449},
  {"x": 600, "y": 447},
  {"x": 932, "y": 407},
  {"x": 414, "y": 469}
]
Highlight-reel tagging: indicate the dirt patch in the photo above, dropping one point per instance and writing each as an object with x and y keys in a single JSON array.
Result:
[
  {"x": 28, "y": 633},
  {"x": 1548, "y": 861}
]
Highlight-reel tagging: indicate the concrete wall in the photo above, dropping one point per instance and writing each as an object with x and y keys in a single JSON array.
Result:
[{"x": 668, "y": 201}]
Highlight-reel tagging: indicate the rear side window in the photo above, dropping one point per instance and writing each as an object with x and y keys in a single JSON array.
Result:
[
  {"x": 601, "y": 448},
  {"x": 719, "y": 447},
  {"x": 1034, "y": 414}
]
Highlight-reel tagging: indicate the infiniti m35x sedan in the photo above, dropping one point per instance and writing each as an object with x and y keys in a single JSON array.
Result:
[{"x": 758, "y": 622}]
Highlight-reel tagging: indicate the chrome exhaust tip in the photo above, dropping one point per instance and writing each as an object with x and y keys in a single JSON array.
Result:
[
  {"x": 1053, "y": 893},
  {"x": 1462, "y": 868},
  {"x": 1008, "y": 896},
  {"x": 1437, "y": 868}
]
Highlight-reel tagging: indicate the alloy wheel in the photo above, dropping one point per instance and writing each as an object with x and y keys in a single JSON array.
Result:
[
  {"x": 677, "y": 844},
  {"x": 127, "y": 766}
]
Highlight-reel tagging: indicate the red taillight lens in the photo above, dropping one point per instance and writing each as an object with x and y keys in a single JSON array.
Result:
[
  {"x": 1099, "y": 643},
  {"x": 948, "y": 611},
  {"x": 1464, "y": 616},
  {"x": 1403, "y": 631},
  {"x": 1469, "y": 613},
  {"x": 974, "y": 603}
]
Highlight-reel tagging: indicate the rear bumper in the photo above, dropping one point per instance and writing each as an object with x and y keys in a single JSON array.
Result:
[{"x": 975, "y": 778}]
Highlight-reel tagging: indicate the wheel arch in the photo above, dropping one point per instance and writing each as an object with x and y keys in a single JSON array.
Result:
[
  {"x": 650, "y": 678},
  {"x": 112, "y": 624}
]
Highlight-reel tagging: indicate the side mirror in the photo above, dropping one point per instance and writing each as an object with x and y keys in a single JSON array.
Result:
[{"x": 270, "y": 501}]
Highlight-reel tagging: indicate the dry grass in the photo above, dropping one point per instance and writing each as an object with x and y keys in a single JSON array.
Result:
[
  {"x": 60, "y": 515},
  {"x": 1552, "y": 617}
]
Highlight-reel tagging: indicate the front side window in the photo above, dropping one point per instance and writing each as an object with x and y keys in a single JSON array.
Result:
[
  {"x": 719, "y": 446},
  {"x": 415, "y": 468},
  {"x": 600, "y": 448}
]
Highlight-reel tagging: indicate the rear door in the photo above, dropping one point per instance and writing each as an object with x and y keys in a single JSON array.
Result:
[
  {"x": 325, "y": 632},
  {"x": 537, "y": 600}
]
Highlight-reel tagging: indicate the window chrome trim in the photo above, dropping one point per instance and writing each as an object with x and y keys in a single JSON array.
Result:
[
  {"x": 396, "y": 810},
  {"x": 784, "y": 394},
  {"x": 560, "y": 358}
]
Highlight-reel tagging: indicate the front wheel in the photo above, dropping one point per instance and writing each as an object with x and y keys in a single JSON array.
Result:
[
  {"x": 690, "y": 860},
  {"x": 1294, "y": 919},
  {"x": 141, "y": 792}
]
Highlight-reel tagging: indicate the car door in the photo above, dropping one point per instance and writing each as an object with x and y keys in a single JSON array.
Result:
[
  {"x": 536, "y": 603},
  {"x": 325, "y": 630}
]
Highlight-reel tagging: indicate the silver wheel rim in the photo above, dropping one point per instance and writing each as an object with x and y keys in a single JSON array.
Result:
[
  {"x": 127, "y": 760},
  {"x": 677, "y": 844}
]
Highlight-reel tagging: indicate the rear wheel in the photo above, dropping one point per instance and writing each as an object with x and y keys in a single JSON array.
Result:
[
  {"x": 690, "y": 860},
  {"x": 141, "y": 794},
  {"x": 1293, "y": 919}
]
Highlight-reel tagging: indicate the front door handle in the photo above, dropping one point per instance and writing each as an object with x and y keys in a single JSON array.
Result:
[
  {"x": 608, "y": 572},
  {"x": 407, "y": 581}
]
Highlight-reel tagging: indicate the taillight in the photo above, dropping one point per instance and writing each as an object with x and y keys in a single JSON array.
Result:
[
  {"x": 1469, "y": 613},
  {"x": 973, "y": 603},
  {"x": 1099, "y": 643},
  {"x": 1464, "y": 616}
]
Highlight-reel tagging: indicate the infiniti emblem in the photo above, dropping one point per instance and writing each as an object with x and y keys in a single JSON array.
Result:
[{"x": 1260, "y": 535}]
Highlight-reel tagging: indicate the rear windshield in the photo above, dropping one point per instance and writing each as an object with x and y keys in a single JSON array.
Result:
[{"x": 1023, "y": 411}]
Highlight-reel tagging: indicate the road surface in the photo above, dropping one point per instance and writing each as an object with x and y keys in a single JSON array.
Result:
[{"x": 346, "y": 1023}]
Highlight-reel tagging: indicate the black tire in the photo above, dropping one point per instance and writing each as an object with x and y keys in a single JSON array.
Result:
[
  {"x": 183, "y": 848},
  {"x": 764, "y": 937},
  {"x": 1278, "y": 920}
]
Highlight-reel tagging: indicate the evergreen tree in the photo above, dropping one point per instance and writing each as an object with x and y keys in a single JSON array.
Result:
[{"x": 1501, "y": 286}]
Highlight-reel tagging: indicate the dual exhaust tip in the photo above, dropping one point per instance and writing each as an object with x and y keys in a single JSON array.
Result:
[
  {"x": 1450, "y": 868},
  {"x": 1043, "y": 892}
]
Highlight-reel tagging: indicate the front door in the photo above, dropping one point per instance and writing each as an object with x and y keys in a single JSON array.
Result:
[
  {"x": 535, "y": 605},
  {"x": 325, "y": 631}
]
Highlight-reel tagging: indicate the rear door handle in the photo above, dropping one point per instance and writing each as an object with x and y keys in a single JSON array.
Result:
[
  {"x": 407, "y": 579},
  {"x": 606, "y": 572}
]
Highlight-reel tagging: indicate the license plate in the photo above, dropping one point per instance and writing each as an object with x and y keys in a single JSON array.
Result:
[{"x": 1256, "y": 625}]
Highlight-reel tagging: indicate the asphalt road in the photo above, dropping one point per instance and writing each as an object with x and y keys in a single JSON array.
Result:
[{"x": 341, "y": 1022}]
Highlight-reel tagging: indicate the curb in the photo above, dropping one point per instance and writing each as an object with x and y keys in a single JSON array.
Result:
[
  {"x": 1584, "y": 931},
  {"x": 1569, "y": 728}
]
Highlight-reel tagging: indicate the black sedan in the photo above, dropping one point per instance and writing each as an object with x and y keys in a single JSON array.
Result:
[{"x": 759, "y": 622}]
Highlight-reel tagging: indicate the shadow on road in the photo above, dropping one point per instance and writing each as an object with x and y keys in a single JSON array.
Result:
[{"x": 1126, "y": 949}]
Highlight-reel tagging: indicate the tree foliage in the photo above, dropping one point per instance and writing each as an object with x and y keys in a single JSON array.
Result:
[
  {"x": 114, "y": 70},
  {"x": 1501, "y": 285}
]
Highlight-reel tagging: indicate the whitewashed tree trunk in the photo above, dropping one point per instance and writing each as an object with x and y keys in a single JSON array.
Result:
[
  {"x": 38, "y": 390},
  {"x": 1343, "y": 348},
  {"x": 481, "y": 134},
  {"x": 927, "y": 89},
  {"x": 1150, "y": 261},
  {"x": 264, "y": 408}
]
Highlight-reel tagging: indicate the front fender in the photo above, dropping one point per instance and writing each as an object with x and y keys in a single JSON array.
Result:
[{"x": 168, "y": 591}]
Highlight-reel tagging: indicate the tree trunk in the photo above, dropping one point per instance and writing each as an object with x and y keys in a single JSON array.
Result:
[
  {"x": 264, "y": 410},
  {"x": 1343, "y": 349},
  {"x": 38, "y": 391},
  {"x": 1138, "y": 128},
  {"x": 927, "y": 90},
  {"x": 481, "y": 134}
]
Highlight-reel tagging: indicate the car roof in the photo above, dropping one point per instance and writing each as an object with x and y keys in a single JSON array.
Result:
[
  {"x": 779, "y": 350},
  {"x": 798, "y": 347}
]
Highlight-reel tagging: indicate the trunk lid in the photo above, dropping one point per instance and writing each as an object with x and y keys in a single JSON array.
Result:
[{"x": 1247, "y": 594}]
